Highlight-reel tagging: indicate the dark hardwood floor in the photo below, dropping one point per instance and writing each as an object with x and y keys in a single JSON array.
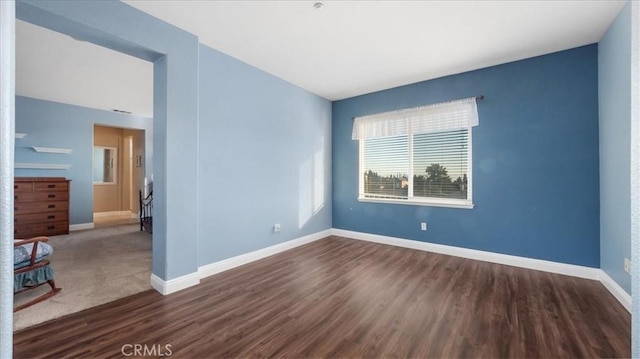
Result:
[{"x": 345, "y": 298}]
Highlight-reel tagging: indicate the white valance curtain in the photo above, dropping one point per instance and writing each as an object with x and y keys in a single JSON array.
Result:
[{"x": 445, "y": 116}]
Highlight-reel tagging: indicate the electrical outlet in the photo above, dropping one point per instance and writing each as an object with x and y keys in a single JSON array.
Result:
[
  {"x": 423, "y": 226},
  {"x": 276, "y": 228},
  {"x": 627, "y": 265}
]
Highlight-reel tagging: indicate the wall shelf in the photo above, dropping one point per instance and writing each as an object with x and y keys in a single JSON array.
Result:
[
  {"x": 52, "y": 150},
  {"x": 20, "y": 135},
  {"x": 42, "y": 166}
]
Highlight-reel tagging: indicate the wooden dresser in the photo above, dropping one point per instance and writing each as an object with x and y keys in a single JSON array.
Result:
[{"x": 41, "y": 206}]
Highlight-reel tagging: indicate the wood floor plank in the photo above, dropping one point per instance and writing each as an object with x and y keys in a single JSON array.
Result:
[{"x": 339, "y": 297}]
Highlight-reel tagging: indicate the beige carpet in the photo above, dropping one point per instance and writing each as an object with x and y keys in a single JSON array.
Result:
[{"x": 92, "y": 267}]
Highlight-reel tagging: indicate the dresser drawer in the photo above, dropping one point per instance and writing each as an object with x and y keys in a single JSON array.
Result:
[
  {"x": 30, "y": 207},
  {"x": 44, "y": 217},
  {"x": 22, "y": 231},
  {"x": 23, "y": 187},
  {"x": 40, "y": 196},
  {"x": 51, "y": 186}
]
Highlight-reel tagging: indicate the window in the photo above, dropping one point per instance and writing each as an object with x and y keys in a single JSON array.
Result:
[{"x": 420, "y": 155}]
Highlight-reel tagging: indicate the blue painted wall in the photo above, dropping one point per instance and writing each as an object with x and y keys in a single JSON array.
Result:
[
  {"x": 535, "y": 161},
  {"x": 52, "y": 124},
  {"x": 614, "y": 68},
  {"x": 264, "y": 157}
]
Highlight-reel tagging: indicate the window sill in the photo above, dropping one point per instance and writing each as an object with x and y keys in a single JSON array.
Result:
[{"x": 416, "y": 203}]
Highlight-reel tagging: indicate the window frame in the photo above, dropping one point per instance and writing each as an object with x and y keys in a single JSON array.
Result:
[
  {"x": 99, "y": 166},
  {"x": 420, "y": 201}
]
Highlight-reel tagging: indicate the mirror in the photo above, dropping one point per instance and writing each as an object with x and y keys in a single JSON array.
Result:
[{"x": 104, "y": 164}]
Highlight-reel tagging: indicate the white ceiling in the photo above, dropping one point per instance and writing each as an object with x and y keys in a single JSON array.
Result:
[
  {"x": 347, "y": 48},
  {"x": 55, "y": 67}
]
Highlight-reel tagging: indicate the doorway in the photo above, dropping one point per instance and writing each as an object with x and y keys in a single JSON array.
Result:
[
  {"x": 175, "y": 116},
  {"x": 118, "y": 175}
]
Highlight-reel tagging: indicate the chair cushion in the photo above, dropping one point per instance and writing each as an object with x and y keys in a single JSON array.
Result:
[{"x": 22, "y": 254}]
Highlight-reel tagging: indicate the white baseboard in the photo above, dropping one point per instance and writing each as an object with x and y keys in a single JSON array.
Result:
[
  {"x": 80, "y": 226},
  {"x": 174, "y": 285},
  {"x": 536, "y": 264},
  {"x": 191, "y": 279},
  {"x": 516, "y": 261},
  {"x": 112, "y": 214},
  {"x": 221, "y": 266},
  {"x": 616, "y": 290}
]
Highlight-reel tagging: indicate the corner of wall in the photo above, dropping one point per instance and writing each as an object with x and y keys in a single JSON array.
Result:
[{"x": 614, "y": 98}]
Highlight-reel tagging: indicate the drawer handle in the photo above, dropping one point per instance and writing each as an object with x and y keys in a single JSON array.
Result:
[
  {"x": 15, "y": 186},
  {"x": 51, "y": 217},
  {"x": 51, "y": 227},
  {"x": 15, "y": 208},
  {"x": 51, "y": 206},
  {"x": 51, "y": 186},
  {"x": 15, "y": 198},
  {"x": 52, "y": 196}
]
